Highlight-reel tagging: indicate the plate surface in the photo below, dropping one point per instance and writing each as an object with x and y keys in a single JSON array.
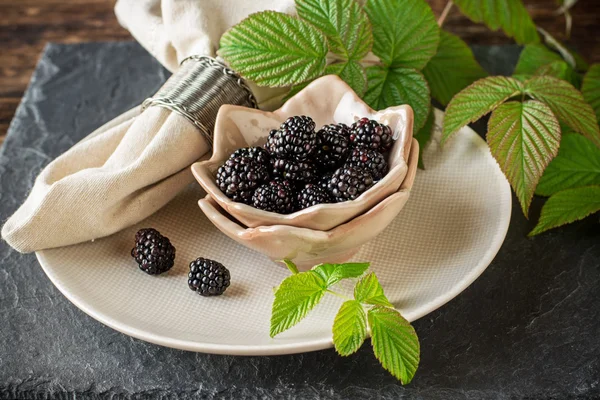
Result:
[{"x": 450, "y": 230}]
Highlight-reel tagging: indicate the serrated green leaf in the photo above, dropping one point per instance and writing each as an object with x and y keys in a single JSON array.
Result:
[
  {"x": 395, "y": 86},
  {"x": 395, "y": 343},
  {"x": 591, "y": 88},
  {"x": 477, "y": 100},
  {"x": 349, "y": 328},
  {"x": 566, "y": 103},
  {"x": 424, "y": 135},
  {"x": 452, "y": 68},
  {"x": 577, "y": 164},
  {"x": 275, "y": 49},
  {"x": 290, "y": 265},
  {"x": 560, "y": 70},
  {"x": 532, "y": 57},
  {"x": 333, "y": 273},
  {"x": 369, "y": 291},
  {"x": 405, "y": 31},
  {"x": 344, "y": 22},
  {"x": 352, "y": 72},
  {"x": 523, "y": 138},
  {"x": 510, "y": 15},
  {"x": 568, "y": 206},
  {"x": 295, "y": 297}
]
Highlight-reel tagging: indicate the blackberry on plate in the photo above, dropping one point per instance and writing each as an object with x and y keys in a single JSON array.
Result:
[
  {"x": 312, "y": 195},
  {"x": 257, "y": 154},
  {"x": 333, "y": 146},
  {"x": 208, "y": 277},
  {"x": 292, "y": 170},
  {"x": 239, "y": 176},
  {"x": 371, "y": 135},
  {"x": 371, "y": 160},
  {"x": 276, "y": 196},
  {"x": 153, "y": 252},
  {"x": 347, "y": 183},
  {"x": 296, "y": 139}
]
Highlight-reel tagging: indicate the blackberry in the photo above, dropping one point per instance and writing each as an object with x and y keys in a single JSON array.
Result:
[
  {"x": 333, "y": 146},
  {"x": 208, "y": 277},
  {"x": 296, "y": 139},
  {"x": 371, "y": 134},
  {"x": 153, "y": 252},
  {"x": 312, "y": 195},
  {"x": 371, "y": 160},
  {"x": 257, "y": 154},
  {"x": 292, "y": 170},
  {"x": 271, "y": 141},
  {"x": 324, "y": 181},
  {"x": 276, "y": 196},
  {"x": 239, "y": 176},
  {"x": 347, "y": 183}
]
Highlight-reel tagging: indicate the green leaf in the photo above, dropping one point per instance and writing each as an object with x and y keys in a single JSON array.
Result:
[
  {"x": 510, "y": 15},
  {"x": 452, "y": 69},
  {"x": 395, "y": 343},
  {"x": 560, "y": 70},
  {"x": 395, "y": 86},
  {"x": 424, "y": 135},
  {"x": 369, "y": 291},
  {"x": 577, "y": 164},
  {"x": 333, "y": 273},
  {"x": 349, "y": 328},
  {"x": 477, "y": 100},
  {"x": 566, "y": 103},
  {"x": 405, "y": 31},
  {"x": 352, "y": 72},
  {"x": 591, "y": 88},
  {"x": 523, "y": 138},
  {"x": 290, "y": 265},
  {"x": 275, "y": 49},
  {"x": 532, "y": 57},
  {"x": 295, "y": 297},
  {"x": 344, "y": 23},
  {"x": 568, "y": 206}
]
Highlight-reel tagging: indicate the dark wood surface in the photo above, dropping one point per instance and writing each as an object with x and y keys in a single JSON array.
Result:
[{"x": 27, "y": 25}]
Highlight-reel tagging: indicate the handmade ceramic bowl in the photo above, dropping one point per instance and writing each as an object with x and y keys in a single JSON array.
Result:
[
  {"x": 309, "y": 247},
  {"x": 327, "y": 100}
]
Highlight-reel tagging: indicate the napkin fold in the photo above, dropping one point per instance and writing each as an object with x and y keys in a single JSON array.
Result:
[{"x": 132, "y": 166}]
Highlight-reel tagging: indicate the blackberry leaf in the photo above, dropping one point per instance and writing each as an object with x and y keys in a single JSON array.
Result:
[
  {"x": 349, "y": 328},
  {"x": 591, "y": 88},
  {"x": 369, "y": 291}
]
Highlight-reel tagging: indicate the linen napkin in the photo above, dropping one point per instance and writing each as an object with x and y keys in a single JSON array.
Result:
[{"x": 132, "y": 166}]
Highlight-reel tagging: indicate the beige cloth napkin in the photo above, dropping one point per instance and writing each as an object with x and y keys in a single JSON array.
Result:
[{"x": 132, "y": 166}]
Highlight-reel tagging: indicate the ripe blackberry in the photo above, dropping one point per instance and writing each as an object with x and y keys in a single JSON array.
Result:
[
  {"x": 347, "y": 183},
  {"x": 333, "y": 146},
  {"x": 292, "y": 170},
  {"x": 324, "y": 181},
  {"x": 271, "y": 141},
  {"x": 312, "y": 195},
  {"x": 371, "y": 135},
  {"x": 371, "y": 160},
  {"x": 257, "y": 154},
  {"x": 153, "y": 252},
  {"x": 239, "y": 176},
  {"x": 208, "y": 277},
  {"x": 296, "y": 139},
  {"x": 276, "y": 196}
]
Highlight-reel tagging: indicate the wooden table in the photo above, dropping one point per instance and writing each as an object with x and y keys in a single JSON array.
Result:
[{"x": 27, "y": 25}]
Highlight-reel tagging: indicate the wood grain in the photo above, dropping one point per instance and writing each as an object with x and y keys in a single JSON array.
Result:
[{"x": 27, "y": 25}]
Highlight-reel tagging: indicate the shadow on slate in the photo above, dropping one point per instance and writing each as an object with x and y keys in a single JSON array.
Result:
[{"x": 527, "y": 328}]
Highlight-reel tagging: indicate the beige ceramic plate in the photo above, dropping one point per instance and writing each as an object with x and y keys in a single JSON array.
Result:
[{"x": 442, "y": 240}]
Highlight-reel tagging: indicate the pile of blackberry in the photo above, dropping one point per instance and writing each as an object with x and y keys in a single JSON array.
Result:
[{"x": 300, "y": 167}]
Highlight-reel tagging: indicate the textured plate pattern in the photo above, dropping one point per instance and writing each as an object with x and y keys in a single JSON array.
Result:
[{"x": 448, "y": 233}]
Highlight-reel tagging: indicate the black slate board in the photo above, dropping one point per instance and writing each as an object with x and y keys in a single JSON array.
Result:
[{"x": 529, "y": 327}]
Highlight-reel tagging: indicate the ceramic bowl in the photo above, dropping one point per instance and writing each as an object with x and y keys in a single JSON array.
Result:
[
  {"x": 327, "y": 100},
  {"x": 309, "y": 247}
]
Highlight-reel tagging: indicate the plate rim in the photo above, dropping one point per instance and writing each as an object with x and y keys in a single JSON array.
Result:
[{"x": 291, "y": 348}]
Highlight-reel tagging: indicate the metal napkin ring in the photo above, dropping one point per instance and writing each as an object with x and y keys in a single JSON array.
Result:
[{"x": 198, "y": 89}]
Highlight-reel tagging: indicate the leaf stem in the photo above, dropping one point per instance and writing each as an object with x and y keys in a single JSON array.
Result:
[
  {"x": 341, "y": 296},
  {"x": 445, "y": 13}
]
